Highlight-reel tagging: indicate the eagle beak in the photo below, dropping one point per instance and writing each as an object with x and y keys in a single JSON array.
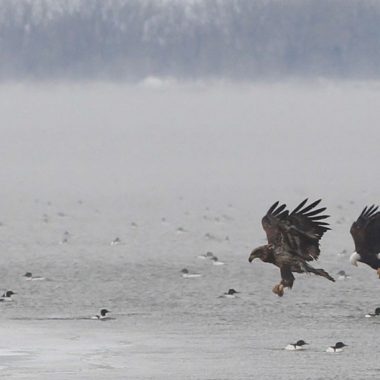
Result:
[
  {"x": 354, "y": 258},
  {"x": 252, "y": 256}
]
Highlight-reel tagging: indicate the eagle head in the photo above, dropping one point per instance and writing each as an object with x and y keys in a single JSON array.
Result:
[
  {"x": 259, "y": 253},
  {"x": 354, "y": 258}
]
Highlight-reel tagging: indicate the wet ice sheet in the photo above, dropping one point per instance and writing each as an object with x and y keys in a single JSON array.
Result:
[{"x": 218, "y": 350}]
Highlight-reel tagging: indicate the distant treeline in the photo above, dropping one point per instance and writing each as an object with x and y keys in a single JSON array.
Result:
[{"x": 240, "y": 39}]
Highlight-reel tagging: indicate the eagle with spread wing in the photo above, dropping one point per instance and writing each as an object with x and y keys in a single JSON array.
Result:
[
  {"x": 366, "y": 234},
  {"x": 293, "y": 240}
]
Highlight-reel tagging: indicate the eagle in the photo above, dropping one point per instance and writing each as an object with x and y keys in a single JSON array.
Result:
[
  {"x": 366, "y": 234},
  {"x": 293, "y": 240}
]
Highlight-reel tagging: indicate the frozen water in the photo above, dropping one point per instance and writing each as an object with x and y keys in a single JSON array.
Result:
[{"x": 139, "y": 163}]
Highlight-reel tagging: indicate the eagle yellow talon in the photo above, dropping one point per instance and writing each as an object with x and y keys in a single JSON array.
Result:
[{"x": 278, "y": 289}]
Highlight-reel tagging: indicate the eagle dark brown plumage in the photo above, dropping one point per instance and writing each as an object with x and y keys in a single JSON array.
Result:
[
  {"x": 293, "y": 240},
  {"x": 366, "y": 234}
]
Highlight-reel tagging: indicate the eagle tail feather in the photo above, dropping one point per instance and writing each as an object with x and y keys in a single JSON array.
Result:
[{"x": 319, "y": 272}]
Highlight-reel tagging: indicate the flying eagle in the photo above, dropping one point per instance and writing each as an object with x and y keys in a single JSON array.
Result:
[
  {"x": 366, "y": 234},
  {"x": 293, "y": 239}
]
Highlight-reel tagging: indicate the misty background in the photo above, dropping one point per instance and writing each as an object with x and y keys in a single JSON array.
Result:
[{"x": 191, "y": 39}]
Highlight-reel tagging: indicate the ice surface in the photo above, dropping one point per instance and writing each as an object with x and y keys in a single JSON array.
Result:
[{"x": 139, "y": 163}]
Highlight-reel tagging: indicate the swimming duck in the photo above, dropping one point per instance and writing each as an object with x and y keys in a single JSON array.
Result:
[
  {"x": 299, "y": 345},
  {"x": 230, "y": 294},
  {"x": 215, "y": 261},
  {"x": 102, "y": 315},
  {"x": 208, "y": 255},
  {"x": 342, "y": 275},
  {"x": 337, "y": 348},
  {"x": 115, "y": 241},
  {"x": 375, "y": 314},
  {"x": 7, "y": 296},
  {"x": 186, "y": 274}
]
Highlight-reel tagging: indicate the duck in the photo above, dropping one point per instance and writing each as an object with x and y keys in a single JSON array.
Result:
[
  {"x": 208, "y": 255},
  {"x": 337, "y": 348},
  {"x": 186, "y": 274},
  {"x": 115, "y": 241},
  {"x": 299, "y": 345},
  {"x": 230, "y": 294},
  {"x": 28, "y": 276},
  {"x": 7, "y": 296},
  {"x": 102, "y": 315},
  {"x": 215, "y": 261},
  {"x": 375, "y": 314},
  {"x": 342, "y": 275}
]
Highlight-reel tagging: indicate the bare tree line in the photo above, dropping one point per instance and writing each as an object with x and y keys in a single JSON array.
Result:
[{"x": 240, "y": 39}]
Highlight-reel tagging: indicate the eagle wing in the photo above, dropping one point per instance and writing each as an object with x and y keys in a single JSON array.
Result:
[
  {"x": 366, "y": 232},
  {"x": 303, "y": 230},
  {"x": 299, "y": 232},
  {"x": 271, "y": 223}
]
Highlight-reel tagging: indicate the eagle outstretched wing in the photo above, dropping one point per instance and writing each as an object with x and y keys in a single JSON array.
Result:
[
  {"x": 366, "y": 232},
  {"x": 297, "y": 232},
  {"x": 271, "y": 222}
]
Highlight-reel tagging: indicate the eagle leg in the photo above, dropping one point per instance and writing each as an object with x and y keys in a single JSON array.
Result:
[
  {"x": 378, "y": 272},
  {"x": 287, "y": 280},
  {"x": 278, "y": 289}
]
